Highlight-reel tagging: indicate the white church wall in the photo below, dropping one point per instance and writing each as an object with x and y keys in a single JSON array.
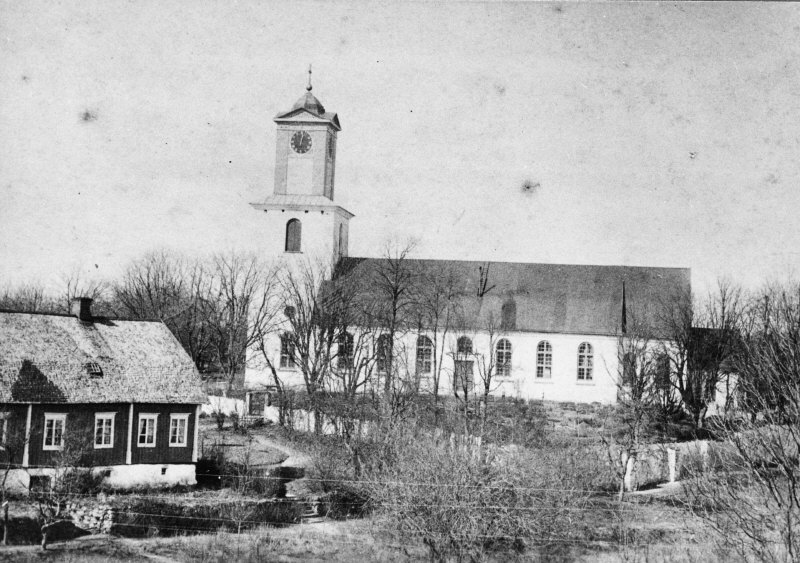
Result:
[{"x": 522, "y": 382}]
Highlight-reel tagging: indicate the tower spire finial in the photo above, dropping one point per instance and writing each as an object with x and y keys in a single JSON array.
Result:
[{"x": 309, "y": 79}]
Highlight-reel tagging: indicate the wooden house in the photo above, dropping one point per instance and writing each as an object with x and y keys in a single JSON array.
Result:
[{"x": 124, "y": 392}]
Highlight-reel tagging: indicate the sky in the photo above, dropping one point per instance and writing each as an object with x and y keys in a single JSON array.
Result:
[{"x": 648, "y": 134}]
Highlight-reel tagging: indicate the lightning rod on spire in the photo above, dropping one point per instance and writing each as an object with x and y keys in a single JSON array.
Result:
[{"x": 309, "y": 79}]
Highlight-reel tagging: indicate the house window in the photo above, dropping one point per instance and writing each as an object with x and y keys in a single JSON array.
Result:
[
  {"x": 503, "y": 358},
  {"x": 382, "y": 353},
  {"x": 344, "y": 357},
  {"x": 54, "y": 426},
  {"x": 585, "y": 362},
  {"x": 424, "y": 355},
  {"x": 104, "y": 430},
  {"x": 178, "y": 425},
  {"x": 147, "y": 430},
  {"x": 293, "y": 235},
  {"x": 93, "y": 369},
  {"x": 544, "y": 360},
  {"x": 287, "y": 352},
  {"x": 4, "y": 416}
]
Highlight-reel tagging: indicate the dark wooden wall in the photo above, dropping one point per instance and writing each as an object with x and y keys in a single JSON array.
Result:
[{"x": 80, "y": 434}]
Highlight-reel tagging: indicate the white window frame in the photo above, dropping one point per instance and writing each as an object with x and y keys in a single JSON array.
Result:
[
  {"x": 585, "y": 362},
  {"x": 174, "y": 418},
  {"x": 98, "y": 416},
  {"x": 4, "y": 417},
  {"x": 55, "y": 417},
  {"x": 145, "y": 417},
  {"x": 503, "y": 358},
  {"x": 544, "y": 360}
]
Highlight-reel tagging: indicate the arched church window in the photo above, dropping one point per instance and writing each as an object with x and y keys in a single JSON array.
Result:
[
  {"x": 341, "y": 239},
  {"x": 345, "y": 352},
  {"x": 293, "y": 235},
  {"x": 383, "y": 354},
  {"x": 424, "y": 355},
  {"x": 503, "y": 358},
  {"x": 544, "y": 360},
  {"x": 585, "y": 362}
]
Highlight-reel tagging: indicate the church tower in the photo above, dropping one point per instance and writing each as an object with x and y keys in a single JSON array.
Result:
[{"x": 303, "y": 220}]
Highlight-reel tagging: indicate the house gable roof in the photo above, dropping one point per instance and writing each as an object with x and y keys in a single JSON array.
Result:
[
  {"x": 549, "y": 298},
  {"x": 46, "y": 358}
]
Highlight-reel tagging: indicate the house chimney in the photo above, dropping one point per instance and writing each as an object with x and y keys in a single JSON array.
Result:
[{"x": 81, "y": 307}]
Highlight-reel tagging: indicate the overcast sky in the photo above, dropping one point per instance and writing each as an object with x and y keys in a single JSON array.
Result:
[{"x": 658, "y": 134}]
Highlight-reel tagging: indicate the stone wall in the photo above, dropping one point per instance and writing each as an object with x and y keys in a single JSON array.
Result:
[{"x": 96, "y": 516}]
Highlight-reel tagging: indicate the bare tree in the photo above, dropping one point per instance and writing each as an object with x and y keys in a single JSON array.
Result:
[
  {"x": 77, "y": 284},
  {"x": 390, "y": 293},
  {"x": 25, "y": 298},
  {"x": 168, "y": 286},
  {"x": 437, "y": 309},
  {"x": 749, "y": 488},
  {"x": 639, "y": 359},
  {"x": 245, "y": 307},
  {"x": 697, "y": 341}
]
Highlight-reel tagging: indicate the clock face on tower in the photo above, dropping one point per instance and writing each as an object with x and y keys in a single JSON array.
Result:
[{"x": 301, "y": 142}]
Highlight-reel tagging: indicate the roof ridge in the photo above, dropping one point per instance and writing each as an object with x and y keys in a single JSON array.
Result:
[{"x": 524, "y": 263}]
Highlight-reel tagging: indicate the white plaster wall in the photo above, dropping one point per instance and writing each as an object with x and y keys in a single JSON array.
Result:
[
  {"x": 121, "y": 476},
  {"x": 563, "y": 386},
  {"x": 225, "y": 405}
]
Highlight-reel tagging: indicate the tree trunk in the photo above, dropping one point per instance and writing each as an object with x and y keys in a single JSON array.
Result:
[
  {"x": 5, "y": 523},
  {"x": 45, "y": 530}
]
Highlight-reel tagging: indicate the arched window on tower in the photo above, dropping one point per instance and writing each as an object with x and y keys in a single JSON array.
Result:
[
  {"x": 341, "y": 239},
  {"x": 293, "y": 235}
]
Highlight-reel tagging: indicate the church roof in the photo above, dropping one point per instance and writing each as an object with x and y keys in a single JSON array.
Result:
[
  {"x": 49, "y": 358},
  {"x": 548, "y": 298},
  {"x": 296, "y": 201},
  {"x": 308, "y": 103}
]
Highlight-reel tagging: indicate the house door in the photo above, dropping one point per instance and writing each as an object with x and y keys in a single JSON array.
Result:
[{"x": 257, "y": 403}]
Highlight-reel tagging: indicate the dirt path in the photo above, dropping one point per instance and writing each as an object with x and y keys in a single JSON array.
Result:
[{"x": 294, "y": 458}]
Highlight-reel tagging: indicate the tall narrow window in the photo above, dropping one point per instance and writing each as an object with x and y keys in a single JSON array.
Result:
[
  {"x": 345, "y": 353},
  {"x": 424, "y": 355},
  {"x": 147, "y": 430},
  {"x": 544, "y": 360},
  {"x": 293, "y": 235},
  {"x": 4, "y": 417},
  {"x": 178, "y": 424},
  {"x": 341, "y": 239},
  {"x": 382, "y": 353},
  {"x": 54, "y": 428},
  {"x": 287, "y": 352},
  {"x": 503, "y": 358},
  {"x": 585, "y": 362},
  {"x": 463, "y": 376},
  {"x": 104, "y": 430}
]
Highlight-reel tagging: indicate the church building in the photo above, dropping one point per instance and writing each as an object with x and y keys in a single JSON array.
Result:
[{"x": 552, "y": 331}]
